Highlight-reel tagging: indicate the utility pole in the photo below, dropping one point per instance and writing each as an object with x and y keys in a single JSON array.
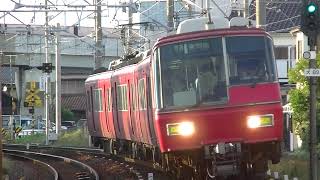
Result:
[
  {"x": 98, "y": 39},
  {"x": 190, "y": 9},
  {"x": 58, "y": 81},
  {"x": 1, "y": 128},
  {"x": 129, "y": 38},
  {"x": 261, "y": 13},
  {"x": 313, "y": 114},
  {"x": 12, "y": 120},
  {"x": 47, "y": 93},
  {"x": 170, "y": 11},
  {"x": 312, "y": 72},
  {"x": 310, "y": 27},
  {"x": 246, "y": 12}
]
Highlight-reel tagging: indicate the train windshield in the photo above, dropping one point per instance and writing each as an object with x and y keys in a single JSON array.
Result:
[
  {"x": 198, "y": 72},
  {"x": 250, "y": 60}
]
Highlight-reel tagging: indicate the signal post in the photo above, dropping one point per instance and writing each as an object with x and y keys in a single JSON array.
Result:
[{"x": 310, "y": 26}]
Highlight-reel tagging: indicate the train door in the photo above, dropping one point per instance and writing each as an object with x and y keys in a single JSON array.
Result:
[
  {"x": 106, "y": 120},
  {"x": 149, "y": 111},
  {"x": 143, "y": 113},
  {"x": 108, "y": 110},
  {"x": 116, "y": 118},
  {"x": 97, "y": 109},
  {"x": 90, "y": 112},
  {"x": 123, "y": 109},
  {"x": 136, "y": 111},
  {"x": 132, "y": 109}
]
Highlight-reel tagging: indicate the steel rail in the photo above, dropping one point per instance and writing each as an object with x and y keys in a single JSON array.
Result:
[
  {"x": 65, "y": 159},
  {"x": 53, "y": 171},
  {"x": 92, "y": 151}
]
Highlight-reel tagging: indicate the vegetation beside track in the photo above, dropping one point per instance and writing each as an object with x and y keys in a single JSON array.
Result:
[
  {"x": 294, "y": 165},
  {"x": 76, "y": 137}
]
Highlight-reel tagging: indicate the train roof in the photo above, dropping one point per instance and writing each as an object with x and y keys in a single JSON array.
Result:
[
  {"x": 114, "y": 72},
  {"x": 102, "y": 75},
  {"x": 201, "y": 28}
]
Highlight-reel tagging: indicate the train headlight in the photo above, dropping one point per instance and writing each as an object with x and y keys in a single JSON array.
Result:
[
  {"x": 257, "y": 121},
  {"x": 183, "y": 129}
]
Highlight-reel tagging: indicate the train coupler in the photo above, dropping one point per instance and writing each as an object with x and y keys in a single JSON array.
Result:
[
  {"x": 211, "y": 151},
  {"x": 223, "y": 158}
]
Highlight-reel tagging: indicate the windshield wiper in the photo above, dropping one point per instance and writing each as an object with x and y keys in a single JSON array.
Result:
[{"x": 255, "y": 81}]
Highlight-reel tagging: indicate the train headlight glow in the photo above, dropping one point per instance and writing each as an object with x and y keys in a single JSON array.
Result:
[
  {"x": 183, "y": 129},
  {"x": 260, "y": 121}
]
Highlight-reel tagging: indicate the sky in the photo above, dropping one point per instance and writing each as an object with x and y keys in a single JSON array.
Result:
[{"x": 111, "y": 17}]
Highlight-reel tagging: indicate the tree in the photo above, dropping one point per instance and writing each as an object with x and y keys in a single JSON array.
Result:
[
  {"x": 299, "y": 99},
  {"x": 66, "y": 114}
]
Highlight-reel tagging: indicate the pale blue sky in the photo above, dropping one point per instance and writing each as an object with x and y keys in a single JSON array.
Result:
[
  {"x": 68, "y": 18},
  {"x": 111, "y": 16}
]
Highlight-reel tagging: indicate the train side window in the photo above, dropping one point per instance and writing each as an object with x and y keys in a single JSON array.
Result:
[
  {"x": 142, "y": 96},
  {"x": 97, "y": 100},
  {"x": 122, "y": 98}
]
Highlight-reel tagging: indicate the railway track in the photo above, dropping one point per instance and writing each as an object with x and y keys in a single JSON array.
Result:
[
  {"x": 30, "y": 167},
  {"x": 63, "y": 168},
  {"x": 107, "y": 166}
]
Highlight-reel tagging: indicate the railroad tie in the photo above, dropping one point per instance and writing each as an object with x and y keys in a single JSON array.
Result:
[{"x": 82, "y": 175}]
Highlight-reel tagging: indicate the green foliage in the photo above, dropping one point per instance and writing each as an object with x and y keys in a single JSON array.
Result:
[
  {"x": 67, "y": 115},
  {"x": 73, "y": 138},
  {"x": 5, "y": 166},
  {"x": 299, "y": 99},
  {"x": 6, "y": 137},
  {"x": 77, "y": 137},
  {"x": 36, "y": 138},
  {"x": 294, "y": 165}
]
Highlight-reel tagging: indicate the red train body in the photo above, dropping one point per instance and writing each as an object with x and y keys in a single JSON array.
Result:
[{"x": 132, "y": 108}]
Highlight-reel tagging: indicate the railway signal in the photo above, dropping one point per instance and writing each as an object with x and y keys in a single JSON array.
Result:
[
  {"x": 310, "y": 18},
  {"x": 47, "y": 67}
]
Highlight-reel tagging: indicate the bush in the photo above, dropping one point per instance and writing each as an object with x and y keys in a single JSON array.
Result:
[
  {"x": 73, "y": 138},
  {"x": 294, "y": 165},
  {"x": 36, "y": 139},
  {"x": 78, "y": 138}
]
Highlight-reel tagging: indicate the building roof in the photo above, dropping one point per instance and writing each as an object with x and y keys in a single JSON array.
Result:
[
  {"x": 282, "y": 16},
  {"x": 74, "y": 101}
]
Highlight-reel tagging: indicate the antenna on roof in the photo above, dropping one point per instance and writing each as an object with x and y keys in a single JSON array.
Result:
[
  {"x": 208, "y": 12},
  {"x": 129, "y": 59}
]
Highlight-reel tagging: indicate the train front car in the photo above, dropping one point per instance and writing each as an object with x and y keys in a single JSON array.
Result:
[{"x": 218, "y": 101}]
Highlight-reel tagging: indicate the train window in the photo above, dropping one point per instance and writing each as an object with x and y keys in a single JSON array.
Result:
[
  {"x": 97, "y": 100},
  {"x": 252, "y": 63},
  {"x": 122, "y": 97},
  {"x": 156, "y": 75},
  {"x": 142, "y": 96},
  {"x": 192, "y": 73}
]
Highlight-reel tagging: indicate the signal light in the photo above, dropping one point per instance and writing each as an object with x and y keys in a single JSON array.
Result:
[
  {"x": 310, "y": 18},
  {"x": 311, "y": 8},
  {"x": 47, "y": 67}
]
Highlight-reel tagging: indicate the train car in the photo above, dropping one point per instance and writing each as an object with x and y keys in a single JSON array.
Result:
[{"x": 203, "y": 103}]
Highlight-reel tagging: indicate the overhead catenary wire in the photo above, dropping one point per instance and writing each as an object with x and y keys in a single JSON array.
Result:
[{"x": 75, "y": 8}]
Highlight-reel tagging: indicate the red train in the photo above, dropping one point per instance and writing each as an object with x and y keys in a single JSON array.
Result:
[{"x": 202, "y": 103}]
